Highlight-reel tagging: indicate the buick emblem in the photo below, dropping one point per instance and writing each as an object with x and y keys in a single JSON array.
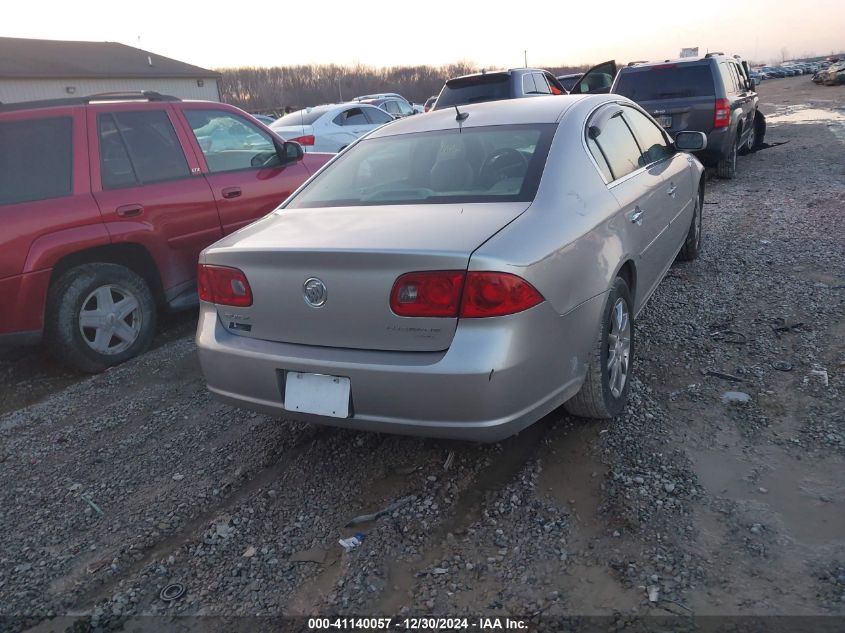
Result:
[{"x": 315, "y": 292}]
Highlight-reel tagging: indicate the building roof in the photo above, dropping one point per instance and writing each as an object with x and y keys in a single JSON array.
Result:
[{"x": 55, "y": 59}]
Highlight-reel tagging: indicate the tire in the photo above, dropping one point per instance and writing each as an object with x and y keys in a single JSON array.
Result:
[
  {"x": 98, "y": 315},
  {"x": 748, "y": 146},
  {"x": 692, "y": 245},
  {"x": 759, "y": 131},
  {"x": 597, "y": 399},
  {"x": 755, "y": 135},
  {"x": 726, "y": 167}
]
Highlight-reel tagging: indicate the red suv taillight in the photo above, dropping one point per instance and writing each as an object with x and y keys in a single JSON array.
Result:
[
  {"x": 722, "y": 114},
  {"x": 308, "y": 139},
  {"x": 449, "y": 293},
  {"x": 223, "y": 285}
]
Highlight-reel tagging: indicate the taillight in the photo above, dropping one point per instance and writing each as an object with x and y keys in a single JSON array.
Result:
[
  {"x": 722, "y": 115},
  {"x": 497, "y": 294},
  {"x": 308, "y": 139},
  {"x": 428, "y": 294},
  {"x": 449, "y": 293},
  {"x": 223, "y": 285}
]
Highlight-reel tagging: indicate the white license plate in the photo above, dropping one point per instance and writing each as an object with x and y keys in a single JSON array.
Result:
[
  {"x": 665, "y": 121},
  {"x": 318, "y": 394}
]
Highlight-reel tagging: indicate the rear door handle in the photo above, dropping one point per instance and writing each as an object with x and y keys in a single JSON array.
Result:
[
  {"x": 671, "y": 191},
  {"x": 637, "y": 216},
  {"x": 129, "y": 210},
  {"x": 231, "y": 192}
]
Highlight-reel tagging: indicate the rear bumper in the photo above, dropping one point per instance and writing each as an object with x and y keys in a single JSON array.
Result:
[{"x": 498, "y": 376}]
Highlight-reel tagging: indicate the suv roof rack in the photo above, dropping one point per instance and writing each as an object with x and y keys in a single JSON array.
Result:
[
  {"x": 639, "y": 61},
  {"x": 141, "y": 95},
  {"x": 709, "y": 55}
]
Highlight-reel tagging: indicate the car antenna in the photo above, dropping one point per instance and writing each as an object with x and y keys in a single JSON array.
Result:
[{"x": 461, "y": 117}]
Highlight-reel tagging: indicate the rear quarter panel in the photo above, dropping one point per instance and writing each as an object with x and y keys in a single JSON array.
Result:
[
  {"x": 571, "y": 241},
  {"x": 37, "y": 234}
]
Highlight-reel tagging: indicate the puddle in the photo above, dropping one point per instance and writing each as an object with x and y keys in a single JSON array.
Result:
[
  {"x": 795, "y": 490},
  {"x": 805, "y": 114}
]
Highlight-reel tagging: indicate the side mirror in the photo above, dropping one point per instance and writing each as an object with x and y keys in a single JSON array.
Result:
[
  {"x": 291, "y": 152},
  {"x": 690, "y": 141}
]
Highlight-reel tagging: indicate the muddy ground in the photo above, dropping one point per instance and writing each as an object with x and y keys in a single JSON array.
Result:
[{"x": 114, "y": 486}]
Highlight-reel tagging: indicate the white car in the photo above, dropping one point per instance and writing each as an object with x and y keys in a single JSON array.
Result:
[{"x": 330, "y": 128}]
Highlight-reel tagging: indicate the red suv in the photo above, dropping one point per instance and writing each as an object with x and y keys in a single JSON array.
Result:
[{"x": 105, "y": 204}]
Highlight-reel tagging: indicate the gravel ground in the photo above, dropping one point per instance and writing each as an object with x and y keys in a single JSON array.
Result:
[{"x": 114, "y": 486}]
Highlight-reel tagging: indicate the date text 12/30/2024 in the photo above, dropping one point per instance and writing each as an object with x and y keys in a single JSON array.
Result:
[{"x": 417, "y": 624}]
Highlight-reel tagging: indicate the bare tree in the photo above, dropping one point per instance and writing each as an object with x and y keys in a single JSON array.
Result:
[
  {"x": 280, "y": 87},
  {"x": 784, "y": 53}
]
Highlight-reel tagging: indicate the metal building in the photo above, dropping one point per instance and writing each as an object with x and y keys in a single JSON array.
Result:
[{"x": 52, "y": 69}]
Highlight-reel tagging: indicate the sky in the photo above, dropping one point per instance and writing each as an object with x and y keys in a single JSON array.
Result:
[{"x": 491, "y": 34}]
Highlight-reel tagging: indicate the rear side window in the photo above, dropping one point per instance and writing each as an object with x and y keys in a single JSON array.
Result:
[
  {"x": 36, "y": 159},
  {"x": 669, "y": 82},
  {"x": 139, "y": 148},
  {"x": 474, "y": 89},
  {"x": 352, "y": 116},
  {"x": 618, "y": 147}
]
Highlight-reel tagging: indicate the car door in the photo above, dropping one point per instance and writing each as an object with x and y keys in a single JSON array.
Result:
[
  {"x": 150, "y": 190},
  {"x": 743, "y": 98},
  {"x": 596, "y": 80},
  {"x": 376, "y": 116},
  {"x": 350, "y": 125},
  {"x": 660, "y": 155},
  {"x": 239, "y": 163},
  {"x": 639, "y": 190}
]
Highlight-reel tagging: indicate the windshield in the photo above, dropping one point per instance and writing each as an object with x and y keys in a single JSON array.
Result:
[
  {"x": 300, "y": 117},
  {"x": 671, "y": 82},
  {"x": 484, "y": 164}
]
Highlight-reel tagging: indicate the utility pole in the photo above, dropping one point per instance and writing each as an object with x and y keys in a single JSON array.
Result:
[
  {"x": 525, "y": 54},
  {"x": 339, "y": 92}
]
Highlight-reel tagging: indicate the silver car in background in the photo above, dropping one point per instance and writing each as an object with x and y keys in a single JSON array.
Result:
[
  {"x": 331, "y": 127},
  {"x": 456, "y": 275}
]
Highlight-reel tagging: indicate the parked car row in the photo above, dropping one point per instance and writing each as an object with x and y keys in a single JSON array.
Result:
[
  {"x": 832, "y": 75},
  {"x": 416, "y": 281}
]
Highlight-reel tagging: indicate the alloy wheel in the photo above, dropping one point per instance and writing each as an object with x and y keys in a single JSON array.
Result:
[
  {"x": 110, "y": 319},
  {"x": 618, "y": 347}
]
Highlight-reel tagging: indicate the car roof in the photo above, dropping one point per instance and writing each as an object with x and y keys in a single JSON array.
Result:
[
  {"x": 509, "y": 71},
  {"x": 547, "y": 109}
]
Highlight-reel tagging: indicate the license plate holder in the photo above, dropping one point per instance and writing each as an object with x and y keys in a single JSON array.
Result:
[{"x": 318, "y": 394}]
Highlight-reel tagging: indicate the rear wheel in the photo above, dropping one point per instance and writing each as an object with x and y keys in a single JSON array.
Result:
[
  {"x": 99, "y": 315},
  {"x": 726, "y": 167},
  {"x": 608, "y": 380},
  {"x": 689, "y": 251},
  {"x": 750, "y": 141}
]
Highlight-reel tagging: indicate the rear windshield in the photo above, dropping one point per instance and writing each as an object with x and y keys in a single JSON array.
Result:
[
  {"x": 673, "y": 82},
  {"x": 484, "y": 164},
  {"x": 474, "y": 89},
  {"x": 300, "y": 117}
]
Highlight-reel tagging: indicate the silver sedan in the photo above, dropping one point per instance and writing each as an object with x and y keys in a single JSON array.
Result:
[{"x": 456, "y": 275}]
